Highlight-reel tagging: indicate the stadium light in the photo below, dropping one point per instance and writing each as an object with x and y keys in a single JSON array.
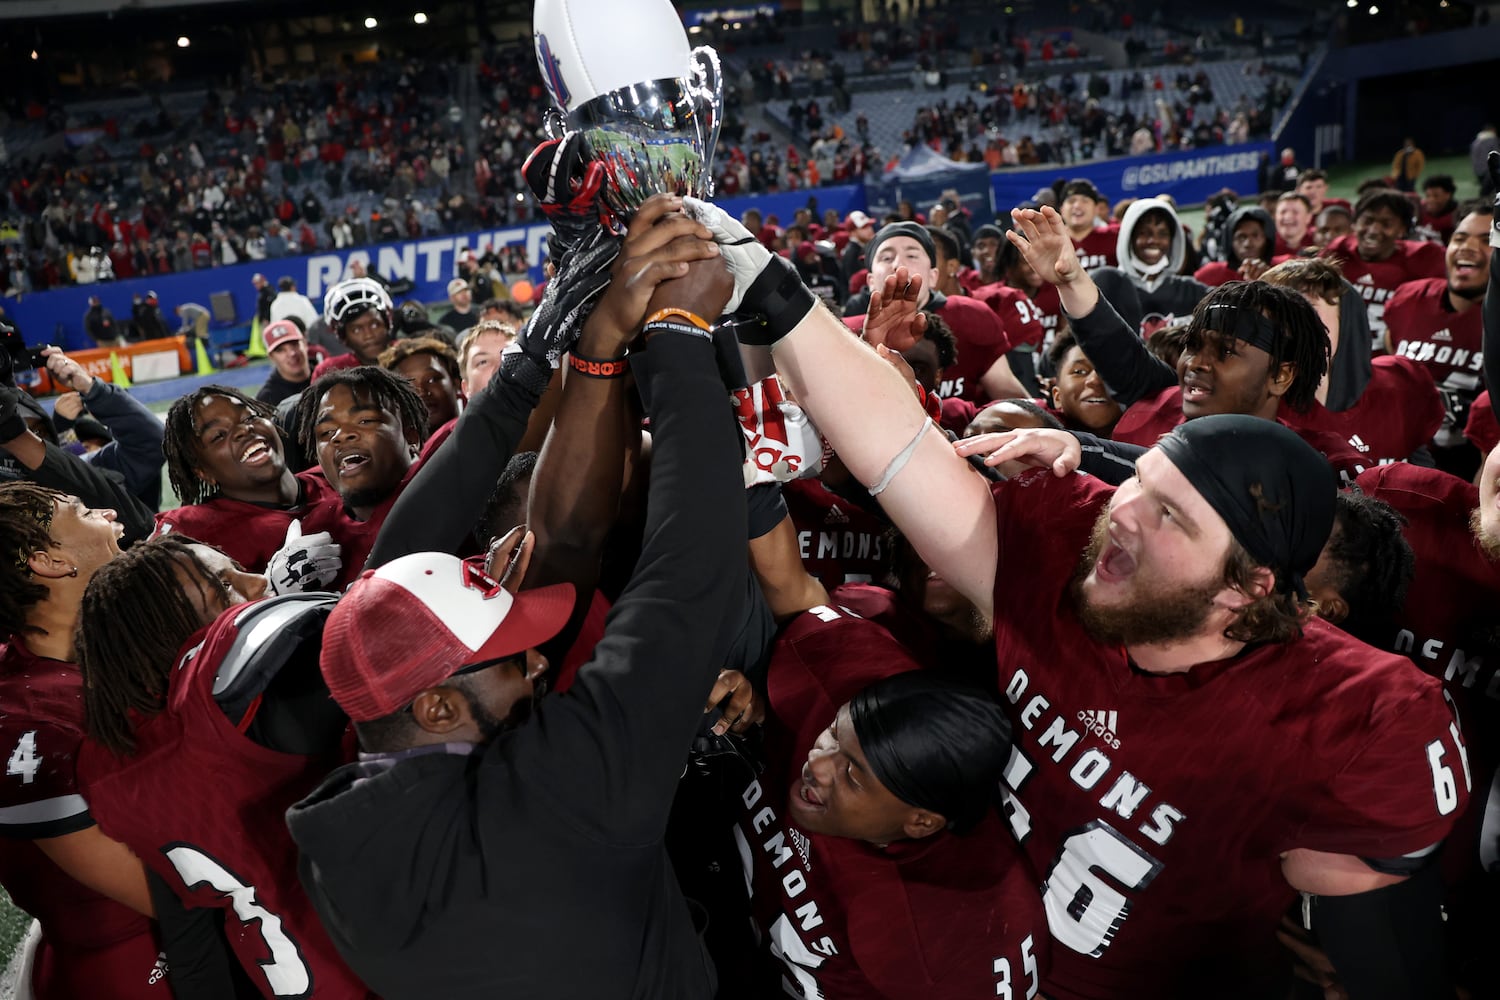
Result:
[
  {"x": 1374, "y": 10},
  {"x": 183, "y": 41},
  {"x": 370, "y": 22},
  {"x": 1353, "y": 4},
  {"x": 419, "y": 17},
  {"x": 35, "y": 55}
]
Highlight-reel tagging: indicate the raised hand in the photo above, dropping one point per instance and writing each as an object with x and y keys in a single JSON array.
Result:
[
  {"x": 893, "y": 319},
  {"x": 1043, "y": 240},
  {"x": 658, "y": 247}
]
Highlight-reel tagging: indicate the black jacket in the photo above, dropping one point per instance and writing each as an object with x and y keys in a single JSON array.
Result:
[{"x": 535, "y": 865}]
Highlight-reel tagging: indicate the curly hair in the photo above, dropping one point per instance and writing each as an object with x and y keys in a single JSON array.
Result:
[
  {"x": 1372, "y": 561},
  {"x": 387, "y": 389},
  {"x": 1301, "y": 340},
  {"x": 25, "y": 527},
  {"x": 180, "y": 440},
  {"x": 403, "y": 349},
  {"x": 942, "y": 337},
  {"x": 1276, "y": 616},
  {"x": 127, "y": 670}
]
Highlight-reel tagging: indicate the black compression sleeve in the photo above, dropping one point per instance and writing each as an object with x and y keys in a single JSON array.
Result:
[
  {"x": 1131, "y": 371},
  {"x": 1112, "y": 462},
  {"x": 458, "y": 478},
  {"x": 1387, "y": 944}
]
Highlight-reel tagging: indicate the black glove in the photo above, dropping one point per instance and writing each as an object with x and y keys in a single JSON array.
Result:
[
  {"x": 555, "y": 325},
  {"x": 566, "y": 185},
  {"x": 12, "y": 424}
]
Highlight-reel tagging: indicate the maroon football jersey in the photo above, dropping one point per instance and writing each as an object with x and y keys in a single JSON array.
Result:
[
  {"x": 981, "y": 342},
  {"x": 91, "y": 946},
  {"x": 1156, "y": 807},
  {"x": 1049, "y": 304},
  {"x": 837, "y": 539},
  {"x": 205, "y": 808},
  {"x": 1099, "y": 248},
  {"x": 1399, "y": 412},
  {"x": 1422, "y": 325},
  {"x": 1377, "y": 281},
  {"x": 248, "y": 533},
  {"x": 1019, "y": 315},
  {"x": 1482, "y": 430},
  {"x": 356, "y": 538},
  {"x": 946, "y": 916},
  {"x": 1147, "y": 420}
]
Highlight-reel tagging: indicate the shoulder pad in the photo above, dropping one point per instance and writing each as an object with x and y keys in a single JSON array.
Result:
[{"x": 266, "y": 634}]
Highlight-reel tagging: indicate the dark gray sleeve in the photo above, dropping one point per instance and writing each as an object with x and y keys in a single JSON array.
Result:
[
  {"x": 458, "y": 478},
  {"x": 1387, "y": 944},
  {"x": 1112, "y": 462},
  {"x": 136, "y": 451},
  {"x": 1131, "y": 371},
  {"x": 64, "y": 471}
]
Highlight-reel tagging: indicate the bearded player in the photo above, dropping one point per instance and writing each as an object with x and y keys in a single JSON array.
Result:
[{"x": 1192, "y": 748}]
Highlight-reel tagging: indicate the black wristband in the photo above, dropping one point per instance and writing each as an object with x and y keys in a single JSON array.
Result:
[
  {"x": 526, "y": 372},
  {"x": 662, "y": 325},
  {"x": 780, "y": 295}
]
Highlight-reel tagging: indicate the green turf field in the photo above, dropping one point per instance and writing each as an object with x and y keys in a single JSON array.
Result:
[{"x": 1342, "y": 180}]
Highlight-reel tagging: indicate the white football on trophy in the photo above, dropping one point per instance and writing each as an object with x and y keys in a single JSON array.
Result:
[{"x": 590, "y": 47}]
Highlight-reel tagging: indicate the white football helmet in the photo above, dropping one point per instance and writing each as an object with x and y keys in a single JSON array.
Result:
[{"x": 352, "y": 298}]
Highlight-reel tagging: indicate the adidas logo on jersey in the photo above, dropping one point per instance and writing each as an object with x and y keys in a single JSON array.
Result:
[
  {"x": 1358, "y": 444},
  {"x": 803, "y": 845},
  {"x": 159, "y": 970},
  {"x": 835, "y": 516},
  {"x": 1103, "y": 723},
  {"x": 1442, "y": 335},
  {"x": 1364, "y": 279}
]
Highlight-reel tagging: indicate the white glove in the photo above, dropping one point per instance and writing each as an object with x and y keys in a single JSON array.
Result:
[
  {"x": 781, "y": 443},
  {"x": 304, "y": 563},
  {"x": 745, "y": 255}
]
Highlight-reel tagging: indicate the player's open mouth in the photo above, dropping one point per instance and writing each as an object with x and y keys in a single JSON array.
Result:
[
  {"x": 351, "y": 463},
  {"x": 256, "y": 453},
  {"x": 1195, "y": 390},
  {"x": 1096, "y": 401},
  {"x": 1114, "y": 564},
  {"x": 1465, "y": 268}
]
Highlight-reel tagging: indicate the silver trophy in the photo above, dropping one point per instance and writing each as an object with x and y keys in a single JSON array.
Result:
[{"x": 657, "y": 136}]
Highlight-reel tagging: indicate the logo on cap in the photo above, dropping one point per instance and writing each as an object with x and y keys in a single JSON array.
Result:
[{"x": 551, "y": 71}]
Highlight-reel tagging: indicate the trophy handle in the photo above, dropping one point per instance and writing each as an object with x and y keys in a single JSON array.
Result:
[{"x": 707, "y": 81}]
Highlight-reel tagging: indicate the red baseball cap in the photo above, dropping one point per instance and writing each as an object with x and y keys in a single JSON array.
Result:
[
  {"x": 418, "y": 620},
  {"x": 279, "y": 332}
]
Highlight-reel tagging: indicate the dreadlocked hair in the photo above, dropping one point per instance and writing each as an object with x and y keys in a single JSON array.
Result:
[
  {"x": 942, "y": 336},
  {"x": 385, "y": 388},
  {"x": 127, "y": 669},
  {"x": 1372, "y": 563},
  {"x": 181, "y": 438},
  {"x": 1301, "y": 339},
  {"x": 25, "y": 527}
]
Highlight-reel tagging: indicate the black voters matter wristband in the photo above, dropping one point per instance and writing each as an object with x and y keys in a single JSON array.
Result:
[
  {"x": 662, "y": 325},
  {"x": 779, "y": 293}
]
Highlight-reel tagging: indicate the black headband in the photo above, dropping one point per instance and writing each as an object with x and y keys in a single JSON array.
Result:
[
  {"x": 1250, "y": 325},
  {"x": 1274, "y": 490}
]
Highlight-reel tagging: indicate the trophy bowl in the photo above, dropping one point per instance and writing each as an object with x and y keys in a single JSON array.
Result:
[{"x": 657, "y": 136}]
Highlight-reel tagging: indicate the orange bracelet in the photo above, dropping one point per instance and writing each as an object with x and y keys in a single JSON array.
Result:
[
  {"x": 598, "y": 369},
  {"x": 670, "y": 311}
]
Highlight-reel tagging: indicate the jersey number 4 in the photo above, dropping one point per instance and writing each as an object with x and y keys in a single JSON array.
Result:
[
  {"x": 285, "y": 971},
  {"x": 23, "y": 760}
]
